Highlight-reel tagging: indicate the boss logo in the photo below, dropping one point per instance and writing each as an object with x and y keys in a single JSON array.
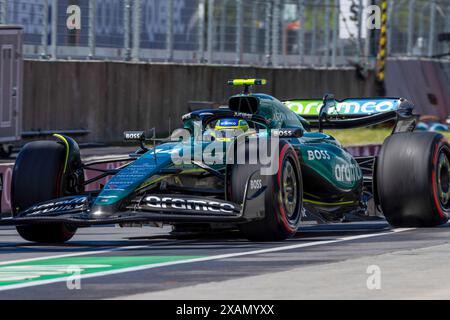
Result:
[
  {"x": 318, "y": 155},
  {"x": 255, "y": 184},
  {"x": 133, "y": 135},
  {"x": 188, "y": 204},
  {"x": 287, "y": 133}
]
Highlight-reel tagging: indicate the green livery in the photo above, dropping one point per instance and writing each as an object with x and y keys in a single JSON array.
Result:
[{"x": 263, "y": 178}]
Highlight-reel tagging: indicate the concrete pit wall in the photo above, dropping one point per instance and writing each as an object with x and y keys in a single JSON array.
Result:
[{"x": 108, "y": 98}]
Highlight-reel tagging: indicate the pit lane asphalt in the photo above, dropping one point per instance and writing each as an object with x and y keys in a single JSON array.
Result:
[
  {"x": 315, "y": 246},
  {"x": 307, "y": 266}
]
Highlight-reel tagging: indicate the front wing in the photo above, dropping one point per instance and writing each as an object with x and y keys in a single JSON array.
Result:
[{"x": 79, "y": 211}]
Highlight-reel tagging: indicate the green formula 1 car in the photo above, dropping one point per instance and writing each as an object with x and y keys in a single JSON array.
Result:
[{"x": 257, "y": 164}]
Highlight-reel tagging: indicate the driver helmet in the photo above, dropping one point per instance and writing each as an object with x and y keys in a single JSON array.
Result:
[{"x": 227, "y": 129}]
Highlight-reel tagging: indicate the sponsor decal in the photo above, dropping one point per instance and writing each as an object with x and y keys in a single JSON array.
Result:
[
  {"x": 346, "y": 107},
  {"x": 71, "y": 204},
  {"x": 186, "y": 204},
  {"x": 347, "y": 173},
  {"x": 255, "y": 184},
  {"x": 289, "y": 133},
  {"x": 228, "y": 122},
  {"x": 318, "y": 155},
  {"x": 243, "y": 115},
  {"x": 279, "y": 116},
  {"x": 133, "y": 135}
]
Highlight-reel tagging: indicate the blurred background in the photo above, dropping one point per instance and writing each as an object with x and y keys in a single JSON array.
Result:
[
  {"x": 319, "y": 33},
  {"x": 142, "y": 64}
]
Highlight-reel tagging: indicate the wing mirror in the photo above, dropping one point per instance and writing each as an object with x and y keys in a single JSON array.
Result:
[
  {"x": 136, "y": 136},
  {"x": 328, "y": 103}
]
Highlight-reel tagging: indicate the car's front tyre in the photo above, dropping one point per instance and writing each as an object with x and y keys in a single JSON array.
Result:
[
  {"x": 283, "y": 197},
  {"x": 38, "y": 176}
]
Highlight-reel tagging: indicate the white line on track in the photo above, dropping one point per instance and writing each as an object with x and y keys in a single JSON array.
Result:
[{"x": 194, "y": 260}]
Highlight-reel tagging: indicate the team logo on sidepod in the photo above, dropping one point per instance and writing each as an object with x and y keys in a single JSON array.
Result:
[{"x": 347, "y": 173}]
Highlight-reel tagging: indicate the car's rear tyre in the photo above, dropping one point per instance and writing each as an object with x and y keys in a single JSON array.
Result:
[
  {"x": 283, "y": 197},
  {"x": 38, "y": 176},
  {"x": 413, "y": 179}
]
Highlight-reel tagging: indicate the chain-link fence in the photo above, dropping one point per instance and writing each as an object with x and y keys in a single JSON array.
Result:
[
  {"x": 322, "y": 33},
  {"x": 415, "y": 26}
]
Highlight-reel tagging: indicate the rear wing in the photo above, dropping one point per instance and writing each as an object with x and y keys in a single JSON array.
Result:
[
  {"x": 355, "y": 112},
  {"x": 348, "y": 108}
]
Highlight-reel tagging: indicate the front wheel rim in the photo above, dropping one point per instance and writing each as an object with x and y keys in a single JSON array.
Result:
[
  {"x": 289, "y": 190},
  {"x": 443, "y": 180}
]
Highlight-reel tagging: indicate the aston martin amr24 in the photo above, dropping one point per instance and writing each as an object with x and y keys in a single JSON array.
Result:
[{"x": 257, "y": 165}]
